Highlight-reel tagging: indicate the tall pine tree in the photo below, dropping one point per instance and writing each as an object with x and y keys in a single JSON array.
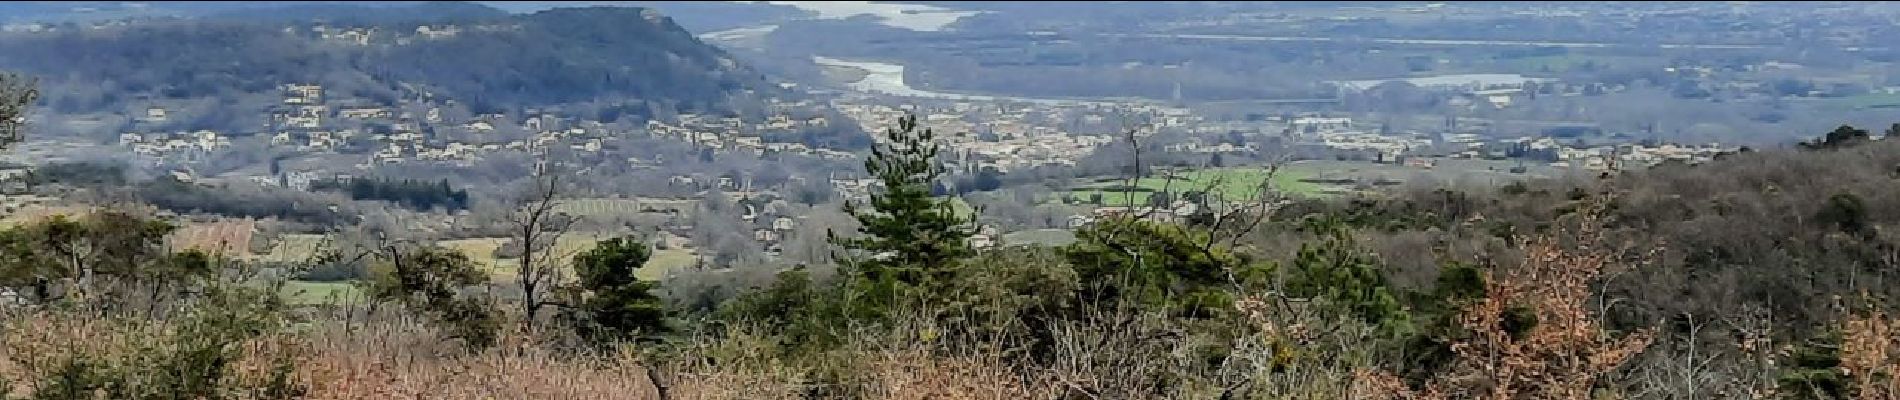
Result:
[
  {"x": 615, "y": 304},
  {"x": 909, "y": 238}
]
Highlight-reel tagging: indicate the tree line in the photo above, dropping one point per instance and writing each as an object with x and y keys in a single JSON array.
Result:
[
  {"x": 1616, "y": 285},
  {"x": 417, "y": 194}
]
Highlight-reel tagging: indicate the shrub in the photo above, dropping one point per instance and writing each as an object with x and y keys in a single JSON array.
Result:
[{"x": 430, "y": 279}]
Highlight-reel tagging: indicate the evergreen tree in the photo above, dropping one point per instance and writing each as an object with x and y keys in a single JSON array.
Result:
[
  {"x": 617, "y": 304},
  {"x": 909, "y": 236},
  {"x": 1843, "y": 136},
  {"x": 1156, "y": 265},
  {"x": 987, "y": 180},
  {"x": 1337, "y": 270},
  {"x": 1845, "y": 211}
]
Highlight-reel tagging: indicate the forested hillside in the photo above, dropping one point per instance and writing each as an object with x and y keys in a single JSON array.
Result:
[
  {"x": 332, "y": 201},
  {"x": 490, "y": 60},
  {"x": 1760, "y": 274}
]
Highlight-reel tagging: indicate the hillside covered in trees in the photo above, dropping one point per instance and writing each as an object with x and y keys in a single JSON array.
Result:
[
  {"x": 1761, "y": 274},
  {"x": 483, "y": 57}
]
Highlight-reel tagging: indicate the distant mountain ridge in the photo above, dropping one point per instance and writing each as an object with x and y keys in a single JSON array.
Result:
[
  {"x": 472, "y": 53},
  {"x": 80, "y": 11},
  {"x": 362, "y": 13}
]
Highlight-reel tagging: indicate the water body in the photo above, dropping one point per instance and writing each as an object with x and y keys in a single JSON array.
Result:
[
  {"x": 916, "y": 17},
  {"x": 740, "y": 34},
  {"x": 888, "y": 79},
  {"x": 1438, "y": 42},
  {"x": 1480, "y": 80}
]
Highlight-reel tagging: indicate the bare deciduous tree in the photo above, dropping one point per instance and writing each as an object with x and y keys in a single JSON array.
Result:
[
  {"x": 17, "y": 93},
  {"x": 537, "y": 225}
]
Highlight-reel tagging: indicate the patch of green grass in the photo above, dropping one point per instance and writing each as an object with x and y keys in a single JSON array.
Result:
[
  {"x": 664, "y": 261},
  {"x": 479, "y": 250},
  {"x": 309, "y": 293},
  {"x": 292, "y": 248},
  {"x": 482, "y": 251},
  {"x": 1041, "y": 237},
  {"x": 615, "y": 208},
  {"x": 1230, "y": 182},
  {"x": 961, "y": 208},
  {"x": 1293, "y": 179}
]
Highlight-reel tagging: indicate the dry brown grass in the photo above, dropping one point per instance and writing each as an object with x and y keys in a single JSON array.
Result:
[
  {"x": 230, "y": 237},
  {"x": 378, "y": 362},
  {"x": 1870, "y": 355},
  {"x": 390, "y": 359},
  {"x": 917, "y": 375},
  {"x": 406, "y": 361}
]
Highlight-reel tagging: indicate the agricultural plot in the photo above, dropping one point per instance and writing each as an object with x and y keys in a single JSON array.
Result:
[
  {"x": 1317, "y": 178},
  {"x": 292, "y": 248},
  {"x": 229, "y": 237},
  {"x": 480, "y": 250},
  {"x": 621, "y": 208},
  {"x": 1040, "y": 237},
  {"x": 483, "y": 252},
  {"x": 308, "y": 293},
  {"x": 34, "y": 213},
  {"x": 1233, "y": 182},
  {"x": 664, "y": 261}
]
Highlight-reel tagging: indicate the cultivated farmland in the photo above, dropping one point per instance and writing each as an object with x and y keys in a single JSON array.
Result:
[
  {"x": 229, "y": 237},
  {"x": 623, "y": 208}
]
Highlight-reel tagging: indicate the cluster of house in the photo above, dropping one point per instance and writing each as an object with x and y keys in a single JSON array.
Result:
[
  {"x": 1198, "y": 146},
  {"x": 308, "y": 121},
  {"x": 737, "y": 135},
  {"x": 1339, "y": 133},
  {"x": 1392, "y": 145},
  {"x": 770, "y": 228},
  {"x": 1625, "y": 155},
  {"x": 1008, "y": 136},
  {"x": 298, "y": 180},
  {"x": 359, "y": 36},
  {"x": 368, "y": 35},
  {"x": 175, "y": 144}
]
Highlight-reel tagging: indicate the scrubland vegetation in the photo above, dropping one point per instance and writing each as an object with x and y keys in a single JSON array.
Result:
[{"x": 1759, "y": 275}]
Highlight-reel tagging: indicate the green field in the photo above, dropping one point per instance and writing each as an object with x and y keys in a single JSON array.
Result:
[
  {"x": 1239, "y": 181},
  {"x": 1233, "y": 182},
  {"x": 664, "y": 261},
  {"x": 479, "y": 250},
  {"x": 302, "y": 292},
  {"x": 482, "y": 252},
  {"x": 1040, "y": 237},
  {"x": 291, "y": 248},
  {"x": 617, "y": 208},
  {"x": 35, "y": 213}
]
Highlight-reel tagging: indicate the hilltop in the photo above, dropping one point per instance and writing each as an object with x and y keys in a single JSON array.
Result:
[{"x": 489, "y": 60}]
